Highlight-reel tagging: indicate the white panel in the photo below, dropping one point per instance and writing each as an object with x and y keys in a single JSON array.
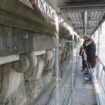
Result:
[
  {"x": 39, "y": 52},
  {"x": 8, "y": 59}
]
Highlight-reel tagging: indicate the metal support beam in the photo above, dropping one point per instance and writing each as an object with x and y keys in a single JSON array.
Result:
[
  {"x": 72, "y": 42},
  {"x": 81, "y": 28},
  {"x": 67, "y": 20},
  {"x": 57, "y": 58},
  {"x": 85, "y": 23},
  {"x": 98, "y": 49},
  {"x": 71, "y": 6}
]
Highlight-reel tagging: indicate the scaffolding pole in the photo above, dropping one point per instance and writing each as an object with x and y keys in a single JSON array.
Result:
[
  {"x": 73, "y": 63},
  {"x": 70, "y": 97},
  {"x": 98, "y": 51},
  {"x": 85, "y": 22},
  {"x": 57, "y": 58}
]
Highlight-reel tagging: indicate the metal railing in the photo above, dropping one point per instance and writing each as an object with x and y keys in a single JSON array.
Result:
[{"x": 99, "y": 82}]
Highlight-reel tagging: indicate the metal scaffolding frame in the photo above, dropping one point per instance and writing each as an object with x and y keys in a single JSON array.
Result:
[{"x": 57, "y": 58}]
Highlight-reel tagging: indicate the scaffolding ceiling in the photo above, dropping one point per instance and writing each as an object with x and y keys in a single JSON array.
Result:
[
  {"x": 94, "y": 19},
  {"x": 84, "y": 16}
]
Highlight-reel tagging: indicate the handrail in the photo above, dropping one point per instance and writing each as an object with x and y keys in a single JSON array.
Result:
[
  {"x": 100, "y": 81},
  {"x": 102, "y": 65},
  {"x": 103, "y": 69}
]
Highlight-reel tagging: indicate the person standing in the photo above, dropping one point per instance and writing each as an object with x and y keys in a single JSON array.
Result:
[
  {"x": 84, "y": 57},
  {"x": 91, "y": 53},
  {"x": 82, "y": 53}
]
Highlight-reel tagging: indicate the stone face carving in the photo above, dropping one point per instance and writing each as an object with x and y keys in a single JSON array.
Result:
[
  {"x": 34, "y": 81},
  {"x": 50, "y": 59},
  {"x": 31, "y": 73},
  {"x": 49, "y": 54},
  {"x": 66, "y": 53},
  {"x": 40, "y": 69},
  {"x": 22, "y": 65},
  {"x": 33, "y": 60}
]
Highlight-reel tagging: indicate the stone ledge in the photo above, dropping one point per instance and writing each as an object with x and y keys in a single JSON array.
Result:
[{"x": 18, "y": 15}]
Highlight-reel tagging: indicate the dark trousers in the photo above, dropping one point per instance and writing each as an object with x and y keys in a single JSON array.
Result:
[
  {"x": 83, "y": 65},
  {"x": 89, "y": 71}
]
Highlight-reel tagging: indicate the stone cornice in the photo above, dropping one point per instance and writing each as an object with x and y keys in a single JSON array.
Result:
[{"x": 15, "y": 14}]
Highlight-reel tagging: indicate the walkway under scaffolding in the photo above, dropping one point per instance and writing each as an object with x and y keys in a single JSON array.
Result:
[{"x": 76, "y": 93}]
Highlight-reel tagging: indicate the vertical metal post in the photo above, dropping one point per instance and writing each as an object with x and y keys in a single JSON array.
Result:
[
  {"x": 99, "y": 33},
  {"x": 70, "y": 101},
  {"x": 72, "y": 62},
  {"x": 57, "y": 58},
  {"x": 85, "y": 22},
  {"x": 98, "y": 52},
  {"x": 98, "y": 43}
]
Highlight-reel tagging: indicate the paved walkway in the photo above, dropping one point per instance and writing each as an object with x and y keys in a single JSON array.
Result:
[
  {"x": 83, "y": 94},
  {"x": 65, "y": 86}
]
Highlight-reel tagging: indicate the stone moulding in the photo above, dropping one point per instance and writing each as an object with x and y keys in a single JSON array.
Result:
[{"x": 15, "y": 14}]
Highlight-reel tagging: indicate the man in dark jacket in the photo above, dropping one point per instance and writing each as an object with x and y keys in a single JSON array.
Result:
[{"x": 90, "y": 52}]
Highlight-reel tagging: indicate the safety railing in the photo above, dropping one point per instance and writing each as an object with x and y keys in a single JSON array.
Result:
[
  {"x": 102, "y": 76},
  {"x": 99, "y": 82}
]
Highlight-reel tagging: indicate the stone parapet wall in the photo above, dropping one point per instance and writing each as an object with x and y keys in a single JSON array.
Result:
[
  {"x": 23, "y": 81},
  {"x": 22, "y": 87},
  {"x": 18, "y": 41},
  {"x": 23, "y": 33}
]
